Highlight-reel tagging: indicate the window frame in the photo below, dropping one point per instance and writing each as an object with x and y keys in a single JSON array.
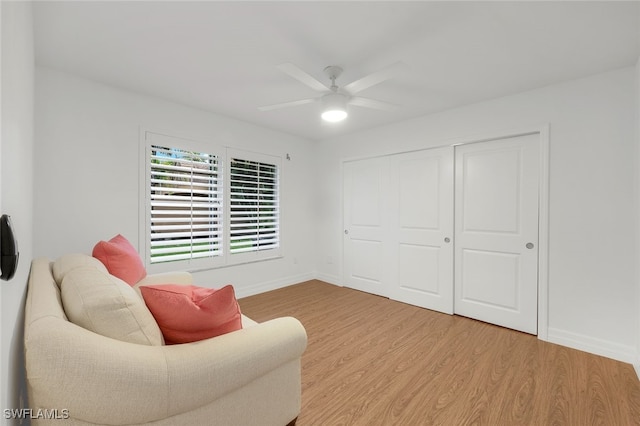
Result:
[{"x": 224, "y": 155}]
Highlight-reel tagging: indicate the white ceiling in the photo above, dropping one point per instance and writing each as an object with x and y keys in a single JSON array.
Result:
[{"x": 222, "y": 56}]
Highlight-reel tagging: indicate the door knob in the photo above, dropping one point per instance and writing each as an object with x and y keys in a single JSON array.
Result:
[
  {"x": 529, "y": 246},
  {"x": 346, "y": 232},
  {"x": 447, "y": 239}
]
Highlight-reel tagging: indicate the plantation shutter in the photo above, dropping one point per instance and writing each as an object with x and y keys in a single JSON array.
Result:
[
  {"x": 253, "y": 205},
  {"x": 186, "y": 205}
]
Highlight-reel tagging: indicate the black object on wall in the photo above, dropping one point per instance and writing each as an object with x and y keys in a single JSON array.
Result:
[{"x": 8, "y": 249}]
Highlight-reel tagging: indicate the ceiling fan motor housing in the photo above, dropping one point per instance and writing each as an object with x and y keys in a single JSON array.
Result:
[{"x": 333, "y": 71}]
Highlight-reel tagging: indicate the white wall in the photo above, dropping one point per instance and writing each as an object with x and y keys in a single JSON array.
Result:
[
  {"x": 592, "y": 243},
  {"x": 637, "y": 364},
  {"x": 16, "y": 186},
  {"x": 87, "y": 169}
]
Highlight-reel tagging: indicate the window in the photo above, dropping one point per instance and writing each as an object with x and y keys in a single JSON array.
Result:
[
  {"x": 207, "y": 206},
  {"x": 253, "y": 206},
  {"x": 186, "y": 205}
]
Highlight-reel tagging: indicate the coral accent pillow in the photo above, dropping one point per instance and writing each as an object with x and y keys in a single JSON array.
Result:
[
  {"x": 121, "y": 259},
  {"x": 187, "y": 313}
]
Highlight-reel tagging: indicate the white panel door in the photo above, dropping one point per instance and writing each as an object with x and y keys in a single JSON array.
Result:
[
  {"x": 366, "y": 250},
  {"x": 421, "y": 228},
  {"x": 496, "y": 241}
]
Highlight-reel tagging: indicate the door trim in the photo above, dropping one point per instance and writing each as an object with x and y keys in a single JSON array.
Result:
[{"x": 543, "y": 131}]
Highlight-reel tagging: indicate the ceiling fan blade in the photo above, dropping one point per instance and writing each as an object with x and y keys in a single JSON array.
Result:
[
  {"x": 287, "y": 104},
  {"x": 375, "y": 78},
  {"x": 300, "y": 75},
  {"x": 372, "y": 103}
]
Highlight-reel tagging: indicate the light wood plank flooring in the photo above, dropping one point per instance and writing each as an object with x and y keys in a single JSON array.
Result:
[{"x": 373, "y": 361}]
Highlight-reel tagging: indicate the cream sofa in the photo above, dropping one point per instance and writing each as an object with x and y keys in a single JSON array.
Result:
[{"x": 79, "y": 377}]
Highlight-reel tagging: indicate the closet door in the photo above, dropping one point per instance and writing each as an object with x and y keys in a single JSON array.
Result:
[
  {"x": 365, "y": 245},
  {"x": 496, "y": 241},
  {"x": 421, "y": 228}
]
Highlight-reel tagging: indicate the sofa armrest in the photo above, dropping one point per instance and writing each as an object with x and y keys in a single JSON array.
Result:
[
  {"x": 181, "y": 277},
  {"x": 225, "y": 363},
  {"x": 101, "y": 380}
]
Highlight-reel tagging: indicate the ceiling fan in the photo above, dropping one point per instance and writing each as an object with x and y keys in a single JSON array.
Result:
[{"x": 335, "y": 99}]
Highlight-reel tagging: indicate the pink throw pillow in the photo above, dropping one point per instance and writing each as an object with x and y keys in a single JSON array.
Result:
[
  {"x": 121, "y": 259},
  {"x": 187, "y": 313}
]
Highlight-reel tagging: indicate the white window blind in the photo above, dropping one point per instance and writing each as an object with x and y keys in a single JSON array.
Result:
[
  {"x": 253, "y": 206},
  {"x": 186, "y": 205}
]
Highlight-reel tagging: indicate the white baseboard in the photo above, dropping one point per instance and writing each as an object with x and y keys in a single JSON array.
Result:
[
  {"x": 637, "y": 368},
  {"x": 593, "y": 345},
  {"x": 285, "y": 282},
  {"x": 273, "y": 285},
  {"x": 331, "y": 279}
]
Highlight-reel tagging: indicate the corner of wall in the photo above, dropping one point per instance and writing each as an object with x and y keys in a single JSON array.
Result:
[
  {"x": 2, "y": 396},
  {"x": 16, "y": 200},
  {"x": 328, "y": 278}
]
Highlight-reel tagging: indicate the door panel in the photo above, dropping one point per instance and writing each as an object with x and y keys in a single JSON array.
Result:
[
  {"x": 491, "y": 191},
  {"x": 489, "y": 277},
  {"x": 363, "y": 252},
  {"x": 421, "y": 209},
  {"x": 419, "y": 268},
  {"x": 418, "y": 180},
  {"x": 496, "y": 197},
  {"x": 365, "y": 184}
]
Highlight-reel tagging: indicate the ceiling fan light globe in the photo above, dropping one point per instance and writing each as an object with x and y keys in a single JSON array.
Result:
[
  {"x": 334, "y": 107},
  {"x": 334, "y": 115}
]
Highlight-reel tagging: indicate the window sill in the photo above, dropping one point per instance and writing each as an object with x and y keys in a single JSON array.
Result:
[{"x": 231, "y": 265}]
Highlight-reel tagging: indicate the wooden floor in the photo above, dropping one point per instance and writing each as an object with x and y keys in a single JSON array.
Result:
[{"x": 373, "y": 361}]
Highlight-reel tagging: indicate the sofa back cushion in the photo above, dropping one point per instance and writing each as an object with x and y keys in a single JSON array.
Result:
[
  {"x": 106, "y": 305},
  {"x": 67, "y": 263}
]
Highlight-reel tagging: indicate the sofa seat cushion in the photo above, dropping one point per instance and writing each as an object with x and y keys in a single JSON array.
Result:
[
  {"x": 106, "y": 305},
  {"x": 187, "y": 313}
]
